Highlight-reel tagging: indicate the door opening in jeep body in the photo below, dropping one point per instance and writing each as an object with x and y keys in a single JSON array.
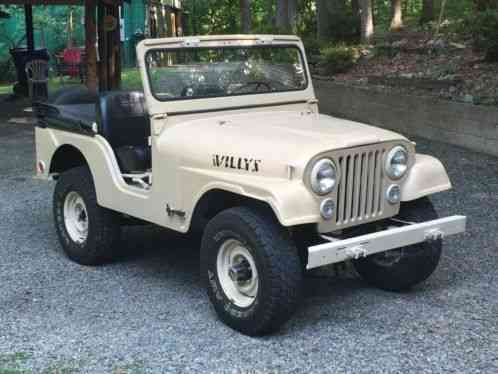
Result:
[{"x": 189, "y": 74}]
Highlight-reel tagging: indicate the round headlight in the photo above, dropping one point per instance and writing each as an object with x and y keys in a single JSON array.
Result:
[
  {"x": 323, "y": 176},
  {"x": 397, "y": 162}
]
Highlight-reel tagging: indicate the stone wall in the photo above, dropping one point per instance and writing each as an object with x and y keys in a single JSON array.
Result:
[{"x": 470, "y": 126}]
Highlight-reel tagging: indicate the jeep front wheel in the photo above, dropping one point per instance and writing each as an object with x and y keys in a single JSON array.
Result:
[
  {"x": 402, "y": 268},
  {"x": 86, "y": 231},
  {"x": 251, "y": 269}
]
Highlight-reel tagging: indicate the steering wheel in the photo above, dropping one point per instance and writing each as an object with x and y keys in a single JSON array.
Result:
[
  {"x": 258, "y": 84},
  {"x": 188, "y": 91}
]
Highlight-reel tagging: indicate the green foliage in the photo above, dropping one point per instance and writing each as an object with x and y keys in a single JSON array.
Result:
[
  {"x": 313, "y": 46},
  {"x": 131, "y": 79},
  {"x": 223, "y": 17},
  {"x": 484, "y": 29},
  {"x": 10, "y": 37},
  {"x": 306, "y": 22},
  {"x": 338, "y": 59},
  {"x": 51, "y": 26},
  {"x": 345, "y": 28},
  {"x": 212, "y": 17}
]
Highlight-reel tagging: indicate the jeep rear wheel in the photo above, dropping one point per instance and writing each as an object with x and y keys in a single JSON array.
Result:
[
  {"x": 86, "y": 231},
  {"x": 402, "y": 268},
  {"x": 252, "y": 270}
]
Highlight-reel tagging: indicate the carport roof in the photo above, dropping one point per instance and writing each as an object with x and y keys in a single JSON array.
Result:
[{"x": 55, "y": 2}]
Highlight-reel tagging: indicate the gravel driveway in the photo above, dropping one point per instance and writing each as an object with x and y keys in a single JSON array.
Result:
[{"x": 148, "y": 313}]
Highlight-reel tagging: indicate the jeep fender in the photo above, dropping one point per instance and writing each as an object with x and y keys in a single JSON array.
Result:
[
  {"x": 427, "y": 176},
  {"x": 111, "y": 190},
  {"x": 290, "y": 200}
]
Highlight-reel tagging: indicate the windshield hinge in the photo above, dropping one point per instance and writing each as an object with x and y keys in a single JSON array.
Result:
[
  {"x": 313, "y": 101},
  {"x": 265, "y": 40},
  {"x": 191, "y": 42},
  {"x": 158, "y": 123}
]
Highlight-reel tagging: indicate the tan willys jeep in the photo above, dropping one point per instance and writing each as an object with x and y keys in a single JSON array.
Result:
[{"x": 226, "y": 139}]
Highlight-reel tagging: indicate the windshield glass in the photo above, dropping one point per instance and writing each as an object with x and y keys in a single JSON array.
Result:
[{"x": 192, "y": 73}]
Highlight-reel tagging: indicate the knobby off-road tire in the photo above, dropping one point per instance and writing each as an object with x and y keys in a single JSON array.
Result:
[
  {"x": 260, "y": 243},
  {"x": 75, "y": 192},
  {"x": 403, "y": 268}
]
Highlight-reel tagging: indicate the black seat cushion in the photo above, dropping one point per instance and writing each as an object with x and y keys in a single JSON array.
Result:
[
  {"x": 133, "y": 159},
  {"x": 122, "y": 118}
]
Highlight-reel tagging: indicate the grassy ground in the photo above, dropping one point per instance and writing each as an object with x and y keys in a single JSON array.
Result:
[
  {"x": 131, "y": 80},
  {"x": 5, "y": 89}
]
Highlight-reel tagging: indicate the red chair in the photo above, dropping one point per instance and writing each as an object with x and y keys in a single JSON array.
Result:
[
  {"x": 72, "y": 59},
  {"x": 72, "y": 64}
]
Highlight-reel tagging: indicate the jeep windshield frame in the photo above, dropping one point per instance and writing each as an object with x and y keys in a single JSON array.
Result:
[
  {"x": 204, "y": 64},
  {"x": 207, "y": 104}
]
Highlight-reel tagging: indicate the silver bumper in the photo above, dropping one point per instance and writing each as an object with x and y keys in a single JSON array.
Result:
[{"x": 361, "y": 246}]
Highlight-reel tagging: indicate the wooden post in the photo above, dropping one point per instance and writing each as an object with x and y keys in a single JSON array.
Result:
[
  {"x": 109, "y": 47},
  {"x": 161, "y": 27},
  {"x": 173, "y": 24},
  {"x": 90, "y": 45},
  {"x": 179, "y": 23},
  {"x": 28, "y": 17},
  {"x": 147, "y": 20},
  {"x": 168, "y": 20},
  {"x": 103, "y": 43},
  {"x": 115, "y": 50}
]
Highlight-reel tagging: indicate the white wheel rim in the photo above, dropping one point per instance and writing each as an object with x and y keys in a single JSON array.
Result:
[
  {"x": 76, "y": 217},
  {"x": 237, "y": 273}
]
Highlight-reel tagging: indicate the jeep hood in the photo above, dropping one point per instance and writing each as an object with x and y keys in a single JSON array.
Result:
[{"x": 289, "y": 137}]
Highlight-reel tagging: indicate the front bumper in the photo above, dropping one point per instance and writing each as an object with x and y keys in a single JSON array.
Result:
[{"x": 361, "y": 246}]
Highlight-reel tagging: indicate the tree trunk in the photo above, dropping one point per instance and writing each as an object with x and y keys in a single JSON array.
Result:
[
  {"x": 292, "y": 15},
  {"x": 355, "y": 8},
  {"x": 245, "y": 16},
  {"x": 427, "y": 11},
  {"x": 397, "y": 15},
  {"x": 327, "y": 12},
  {"x": 269, "y": 13},
  {"x": 90, "y": 47},
  {"x": 322, "y": 18},
  {"x": 366, "y": 15},
  {"x": 282, "y": 20},
  {"x": 440, "y": 20}
]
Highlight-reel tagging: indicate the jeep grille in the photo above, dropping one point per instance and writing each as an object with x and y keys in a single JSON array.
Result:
[{"x": 360, "y": 191}]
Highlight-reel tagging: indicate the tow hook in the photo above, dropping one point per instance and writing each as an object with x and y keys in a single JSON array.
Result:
[
  {"x": 434, "y": 235},
  {"x": 357, "y": 252}
]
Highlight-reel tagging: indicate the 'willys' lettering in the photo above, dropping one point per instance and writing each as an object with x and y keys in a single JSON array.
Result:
[{"x": 237, "y": 163}]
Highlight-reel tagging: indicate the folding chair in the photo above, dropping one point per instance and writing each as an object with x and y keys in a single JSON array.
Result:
[{"x": 37, "y": 73}]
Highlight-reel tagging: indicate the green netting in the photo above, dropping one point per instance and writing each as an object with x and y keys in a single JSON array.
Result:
[
  {"x": 134, "y": 23},
  {"x": 51, "y": 25}
]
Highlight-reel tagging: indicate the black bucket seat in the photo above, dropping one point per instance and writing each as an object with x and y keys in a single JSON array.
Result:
[{"x": 123, "y": 120}]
